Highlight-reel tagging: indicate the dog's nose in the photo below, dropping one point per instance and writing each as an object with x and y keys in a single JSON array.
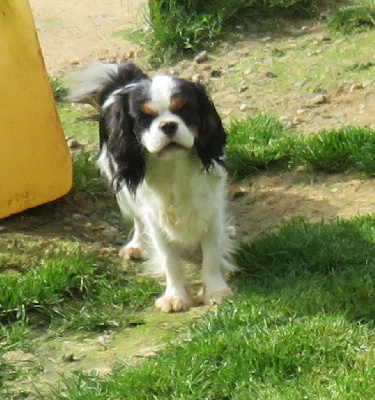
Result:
[{"x": 169, "y": 128}]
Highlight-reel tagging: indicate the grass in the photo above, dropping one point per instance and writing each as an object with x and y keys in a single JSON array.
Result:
[
  {"x": 302, "y": 327},
  {"x": 340, "y": 150},
  {"x": 80, "y": 122},
  {"x": 87, "y": 177},
  {"x": 357, "y": 17},
  {"x": 259, "y": 143},
  {"x": 62, "y": 285},
  {"x": 60, "y": 91},
  {"x": 189, "y": 27},
  {"x": 57, "y": 286},
  {"x": 256, "y": 144},
  {"x": 181, "y": 27}
]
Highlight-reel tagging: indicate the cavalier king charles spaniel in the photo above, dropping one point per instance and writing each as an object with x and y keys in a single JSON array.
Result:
[{"x": 162, "y": 148}]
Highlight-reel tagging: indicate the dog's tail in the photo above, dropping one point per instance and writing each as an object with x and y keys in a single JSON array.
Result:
[
  {"x": 86, "y": 85},
  {"x": 95, "y": 83}
]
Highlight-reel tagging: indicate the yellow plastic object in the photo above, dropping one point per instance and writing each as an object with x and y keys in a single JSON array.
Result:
[{"x": 35, "y": 163}]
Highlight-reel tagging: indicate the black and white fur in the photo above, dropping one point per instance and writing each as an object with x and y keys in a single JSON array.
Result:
[{"x": 162, "y": 149}]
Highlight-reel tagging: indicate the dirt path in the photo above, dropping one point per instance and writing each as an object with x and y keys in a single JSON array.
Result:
[{"x": 74, "y": 32}]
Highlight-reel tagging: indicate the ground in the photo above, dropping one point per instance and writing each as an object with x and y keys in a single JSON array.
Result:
[
  {"x": 247, "y": 75},
  {"x": 73, "y": 34}
]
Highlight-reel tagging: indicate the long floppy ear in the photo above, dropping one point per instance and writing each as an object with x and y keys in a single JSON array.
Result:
[
  {"x": 210, "y": 143},
  {"x": 116, "y": 132}
]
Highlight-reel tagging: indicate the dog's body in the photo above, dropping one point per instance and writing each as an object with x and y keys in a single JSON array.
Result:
[{"x": 162, "y": 150}]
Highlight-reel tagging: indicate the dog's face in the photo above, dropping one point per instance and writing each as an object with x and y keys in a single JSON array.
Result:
[
  {"x": 158, "y": 117},
  {"x": 164, "y": 110}
]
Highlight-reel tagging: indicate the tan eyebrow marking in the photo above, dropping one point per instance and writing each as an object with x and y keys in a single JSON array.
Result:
[
  {"x": 147, "y": 109},
  {"x": 177, "y": 103}
]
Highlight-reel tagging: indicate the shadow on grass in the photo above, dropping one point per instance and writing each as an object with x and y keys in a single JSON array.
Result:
[{"x": 314, "y": 268}]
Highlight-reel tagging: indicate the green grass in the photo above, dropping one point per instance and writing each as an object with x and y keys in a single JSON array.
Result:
[
  {"x": 301, "y": 327},
  {"x": 64, "y": 286},
  {"x": 181, "y": 27},
  {"x": 60, "y": 91},
  {"x": 340, "y": 150},
  {"x": 87, "y": 176},
  {"x": 61, "y": 286},
  {"x": 258, "y": 143},
  {"x": 357, "y": 17},
  {"x": 188, "y": 27},
  {"x": 80, "y": 122}
]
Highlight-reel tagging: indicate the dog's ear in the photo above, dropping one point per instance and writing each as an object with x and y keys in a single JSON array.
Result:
[
  {"x": 116, "y": 132},
  {"x": 210, "y": 143}
]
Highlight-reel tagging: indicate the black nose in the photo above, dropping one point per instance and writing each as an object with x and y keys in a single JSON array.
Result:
[{"x": 169, "y": 128}]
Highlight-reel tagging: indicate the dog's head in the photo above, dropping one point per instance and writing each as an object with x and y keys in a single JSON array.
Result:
[{"x": 155, "y": 117}]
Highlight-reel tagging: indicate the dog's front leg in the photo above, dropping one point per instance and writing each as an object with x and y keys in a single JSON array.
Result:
[
  {"x": 215, "y": 289},
  {"x": 177, "y": 296}
]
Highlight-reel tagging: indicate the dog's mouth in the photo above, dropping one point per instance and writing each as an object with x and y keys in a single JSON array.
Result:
[{"x": 170, "y": 148}]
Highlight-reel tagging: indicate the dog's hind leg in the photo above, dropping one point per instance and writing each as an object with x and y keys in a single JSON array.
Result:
[{"x": 134, "y": 249}]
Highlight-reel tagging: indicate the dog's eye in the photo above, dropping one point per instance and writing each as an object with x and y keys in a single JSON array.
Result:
[
  {"x": 148, "y": 110},
  {"x": 177, "y": 103}
]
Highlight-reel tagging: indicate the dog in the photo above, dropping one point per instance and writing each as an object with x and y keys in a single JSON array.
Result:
[{"x": 162, "y": 148}]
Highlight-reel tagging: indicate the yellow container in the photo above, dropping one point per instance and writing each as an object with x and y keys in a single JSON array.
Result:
[{"x": 35, "y": 164}]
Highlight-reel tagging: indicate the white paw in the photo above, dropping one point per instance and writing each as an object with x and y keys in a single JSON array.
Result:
[
  {"x": 213, "y": 298},
  {"x": 132, "y": 253},
  {"x": 169, "y": 304}
]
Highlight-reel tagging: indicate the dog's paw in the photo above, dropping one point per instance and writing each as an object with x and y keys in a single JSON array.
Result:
[
  {"x": 132, "y": 253},
  {"x": 169, "y": 304},
  {"x": 213, "y": 298}
]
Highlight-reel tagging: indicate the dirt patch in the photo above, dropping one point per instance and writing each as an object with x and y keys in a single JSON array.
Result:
[
  {"x": 269, "y": 200},
  {"x": 73, "y": 33},
  {"x": 94, "y": 353}
]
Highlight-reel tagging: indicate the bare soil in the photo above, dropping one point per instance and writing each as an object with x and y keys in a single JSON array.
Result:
[{"x": 73, "y": 33}]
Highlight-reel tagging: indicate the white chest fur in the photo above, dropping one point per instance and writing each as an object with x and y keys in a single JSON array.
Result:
[{"x": 183, "y": 199}]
